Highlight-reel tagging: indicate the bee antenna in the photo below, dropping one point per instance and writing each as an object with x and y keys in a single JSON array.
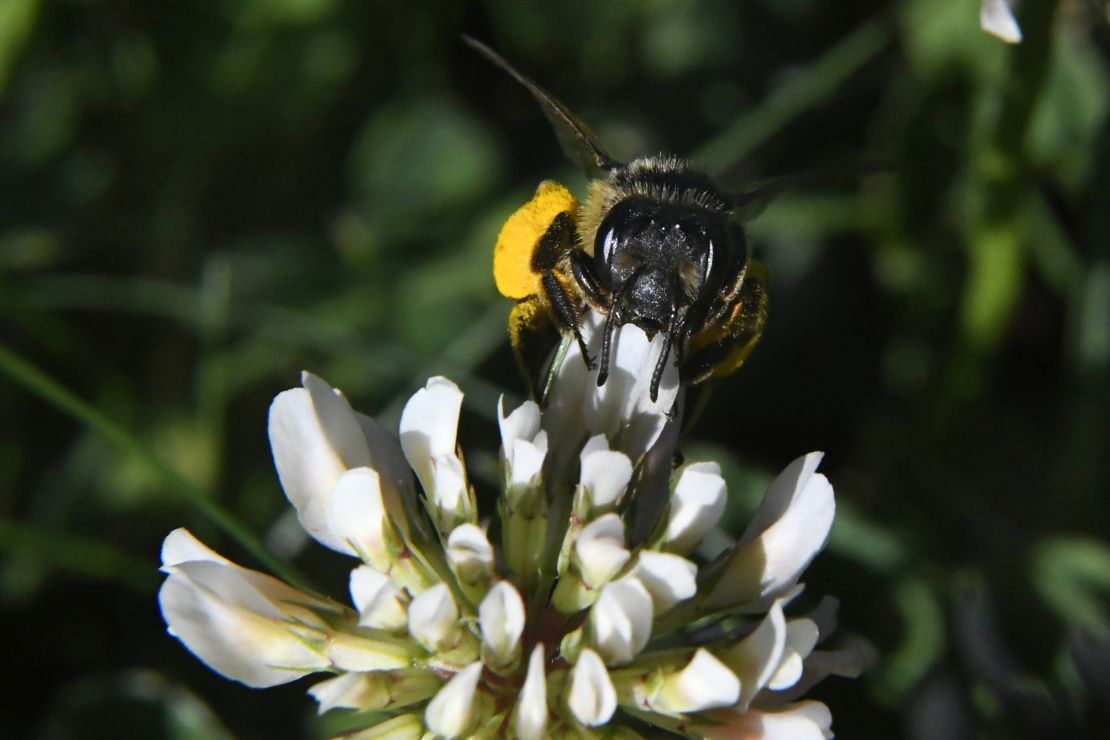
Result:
[
  {"x": 606, "y": 343},
  {"x": 660, "y": 365},
  {"x": 668, "y": 342},
  {"x": 577, "y": 140},
  {"x": 611, "y": 325},
  {"x": 772, "y": 187}
]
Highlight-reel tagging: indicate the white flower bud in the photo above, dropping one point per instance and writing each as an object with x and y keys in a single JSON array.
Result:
[
  {"x": 359, "y": 518},
  {"x": 523, "y": 446},
  {"x": 245, "y": 625},
  {"x": 501, "y": 617},
  {"x": 756, "y": 658},
  {"x": 668, "y": 578},
  {"x": 806, "y": 720},
  {"x": 448, "y": 491},
  {"x": 801, "y": 637},
  {"x": 621, "y": 408},
  {"x": 705, "y": 683},
  {"x": 530, "y": 715},
  {"x": 624, "y": 409},
  {"x": 600, "y": 550},
  {"x": 315, "y": 438},
  {"x": 380, "y": 604},
  {"x": 788, "y": 530},
  {"x": 605, "y": 474},
  {"x": 470, "y": 553},
  {"x": 429, "y": 424},
  {"x": 620, "y": 620},
  {"x": 592, "y": 699},
  {"x": 449, "y": 713},
  {"x": 527, "y": 463},
  {"x": 697, "y": 505},
  {"x": 433, "y": 618},
  {"x": 522, "y": 423},
  {"x": 347, "y": 651},
  {"x": 347, "y": 690}
]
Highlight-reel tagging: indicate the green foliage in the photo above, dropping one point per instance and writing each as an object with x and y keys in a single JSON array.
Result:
[{"x": 197, "y": 201}]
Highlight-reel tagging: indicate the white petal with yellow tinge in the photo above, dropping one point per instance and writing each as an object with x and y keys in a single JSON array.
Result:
[
  {"x": 592, "y": 699},
  {"x": 380, "y": 604},
  {"x": 530, "y": 715},
  {"x": 600, "y": 550},
  {"x": 429, "y": 425},
  {"x": 501, "y": 617},
  {"x": 620, "y": 620},
  {"x": 449, "y": 712},
  {"x": 433, "y": 617},
  {"x": 315, "y": 438}
]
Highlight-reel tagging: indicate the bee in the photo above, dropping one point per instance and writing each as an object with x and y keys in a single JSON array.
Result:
[{"x": 655, "y": 244}]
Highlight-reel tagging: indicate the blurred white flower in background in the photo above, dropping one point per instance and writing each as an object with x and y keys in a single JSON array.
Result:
[
  {"x": 559, "y": 618},
  {"x": 996, "y": 17}
]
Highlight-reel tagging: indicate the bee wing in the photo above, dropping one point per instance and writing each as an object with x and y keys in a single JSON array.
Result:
[
  {"x": 575, "y": 137},
  {"x": 750, "y": 202}
]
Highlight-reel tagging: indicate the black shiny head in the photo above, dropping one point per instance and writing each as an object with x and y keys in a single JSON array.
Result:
[
  {"x": 658, "y": 260},
  {"x": 660, "y": 266}
]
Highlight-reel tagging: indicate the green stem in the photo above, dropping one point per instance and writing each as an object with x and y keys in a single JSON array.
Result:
[
  {"x": 54, "y": 393},
  {"x": 78, "y": 554},
  {"x": 807, "y": 89},
  {"x": 1001, "y": 171}
]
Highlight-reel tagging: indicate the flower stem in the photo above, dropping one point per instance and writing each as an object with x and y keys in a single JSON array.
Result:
[{"x": 57, "y": 395}]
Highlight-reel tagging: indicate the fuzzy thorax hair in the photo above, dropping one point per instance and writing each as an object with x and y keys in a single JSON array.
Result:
[{"x": 662, "y": 178}]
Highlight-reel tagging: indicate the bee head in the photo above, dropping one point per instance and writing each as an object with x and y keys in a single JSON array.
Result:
[{"x": 658, "y": 260}]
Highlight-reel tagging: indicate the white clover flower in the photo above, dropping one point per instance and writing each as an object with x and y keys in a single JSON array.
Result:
[
  {"x": 530, "y": 714},
  {"x": 668, "y": 578},
  {"x": 471, "y": 557},
  {"x": 501, "y": 617},
  {"x": 789, "y": 529},
  {"x": 565, "y": 614},
  {"x": 592, "y": 699},
  {"x": 451, "y": 712},
  {"x": 245, "y": 625},
  {"x": 698, "y": 503},
  {"x": 620, "y": 621},
  {"x": 523, "y": 446},
  {"x": 434, "y": 618},
  {"x": 705, "y": 683},
  {"x": 621, "y": 409},
  {"x": 807, "y": 720},
  {"x": 600, "y": 550},
  {"x": 428, "y": 426},
  {"x": 380, "y": 604}
]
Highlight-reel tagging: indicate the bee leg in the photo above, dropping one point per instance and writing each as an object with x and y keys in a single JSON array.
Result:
[
  {"x": 564, "y": 311},
  {"x": 596, "y": 292},
  {"x": 718, "y": 351},
  {"x": 612, "y": 321},
  {"x": 532, "y": 336}
]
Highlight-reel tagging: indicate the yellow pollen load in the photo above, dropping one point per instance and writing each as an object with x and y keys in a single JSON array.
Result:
[{"x": 512, "y": 256}]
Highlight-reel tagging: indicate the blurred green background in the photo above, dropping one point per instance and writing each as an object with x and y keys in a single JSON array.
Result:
[{"x": 198, "y": 200}]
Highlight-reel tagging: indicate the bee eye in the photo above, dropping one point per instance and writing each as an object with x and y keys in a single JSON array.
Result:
[
  {"x": 710, "y": 258},
  {"x": 716, "y": 263},
  {"x": 607, "y": 246}
]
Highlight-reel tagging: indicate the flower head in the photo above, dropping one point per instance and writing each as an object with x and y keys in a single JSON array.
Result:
[{"x": 582, "y": 607}]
